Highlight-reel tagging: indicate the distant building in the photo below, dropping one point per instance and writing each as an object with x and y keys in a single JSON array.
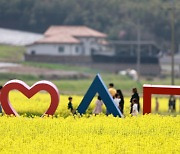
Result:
[
  {"x": 83, "y": 46},
  {"x": 126, "y": 52},
  {"x": 124, "y": 56},
  {"x": 68, "y": 41}
]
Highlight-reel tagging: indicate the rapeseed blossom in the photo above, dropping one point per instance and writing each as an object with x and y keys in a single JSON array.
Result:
[
  {"x": 96, "y": 134},
  {"x": 65, "y": 133}
]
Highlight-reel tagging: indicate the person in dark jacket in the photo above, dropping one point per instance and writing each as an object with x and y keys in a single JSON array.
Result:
[
  {"x": 135, "y": 95},
  {"x": 70, "y": 106},
  {"x": 121, "y": 103},
  {"x": 172, "y": 104}
]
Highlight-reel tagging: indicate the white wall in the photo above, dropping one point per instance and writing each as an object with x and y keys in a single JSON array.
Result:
[
  {"x": 88, "y": 44},
  {"x": 53, "y": 49},
  {"x": 84, "y": 48}
]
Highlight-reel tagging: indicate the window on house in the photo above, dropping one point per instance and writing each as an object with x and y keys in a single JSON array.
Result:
[
  {"x": 93, "y": 50},
  {"x": 61, "y": 49},
  {"x": 33, "y": 52},
  {"x": 77, "y": 49}
]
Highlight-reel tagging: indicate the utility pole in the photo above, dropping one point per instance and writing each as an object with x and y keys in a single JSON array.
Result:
[
  {"x": 138, "y": 50},
  {"x": 172, "y": 40}
]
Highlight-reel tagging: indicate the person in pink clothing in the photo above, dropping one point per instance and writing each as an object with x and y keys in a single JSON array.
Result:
[{"x": 98, "y": 106}]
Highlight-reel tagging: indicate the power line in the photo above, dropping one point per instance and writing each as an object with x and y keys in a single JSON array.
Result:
[
  {"x": 172, "y": 39},
  {"x": 138, "y": 49}
]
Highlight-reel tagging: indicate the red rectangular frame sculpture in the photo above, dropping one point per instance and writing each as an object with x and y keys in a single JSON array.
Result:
[{"x": 148, "y": 90}]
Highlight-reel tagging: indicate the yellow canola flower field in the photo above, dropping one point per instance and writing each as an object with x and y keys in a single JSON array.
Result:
[
  {"x": 88, "y": 134},
  {"x": 96, "y": 134},
  {"x": 39, "y": 103}
]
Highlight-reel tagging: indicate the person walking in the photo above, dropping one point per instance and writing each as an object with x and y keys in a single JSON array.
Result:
[
  {"x": 121, "y": 103},
  {"x": 117, "y": 100},
  {"x": 98, "y": 106},
  {"x": 112, "y": 90},
  {"x": 135, "y": 95},
  {"x": 70, "y": 106},
  {"x": 172, "y": 104}
]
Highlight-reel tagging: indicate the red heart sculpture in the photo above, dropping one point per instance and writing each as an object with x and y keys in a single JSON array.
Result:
[{"x": 29, "y": 92}]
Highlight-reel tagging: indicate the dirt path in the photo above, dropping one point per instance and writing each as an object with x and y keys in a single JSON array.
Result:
[{"x": 43, "y": 72}]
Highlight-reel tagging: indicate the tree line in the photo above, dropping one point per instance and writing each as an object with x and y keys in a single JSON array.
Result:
[{"x": 120, "y": 19}]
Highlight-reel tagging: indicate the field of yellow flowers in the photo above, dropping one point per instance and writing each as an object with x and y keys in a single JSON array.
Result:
[
  {"x": 65, "y": 133},
  {"x": 38, "y": 104}
]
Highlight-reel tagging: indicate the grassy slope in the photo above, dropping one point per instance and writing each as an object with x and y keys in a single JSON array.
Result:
[
  {"x": 81, "y": 86},
  {"x": 11, "y": 53},
  {"x": 76, "y": 86}
]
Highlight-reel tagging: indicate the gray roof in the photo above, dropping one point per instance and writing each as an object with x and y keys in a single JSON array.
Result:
[{"x": 17, "y": 37}]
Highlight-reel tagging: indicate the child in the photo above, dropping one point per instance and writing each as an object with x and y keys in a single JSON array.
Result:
[
  {"x": 98, "y": 107},
  {"x": 70, "y": 106},
  {"x": 134, "y": 107},
  {"x": 0, "y": 96}
]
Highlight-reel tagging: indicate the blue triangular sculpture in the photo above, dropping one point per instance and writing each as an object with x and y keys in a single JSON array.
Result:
[{"x": 99, "y": 87}]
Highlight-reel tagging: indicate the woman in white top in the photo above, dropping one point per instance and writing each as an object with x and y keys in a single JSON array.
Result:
[{"x": 117, "y": 100}]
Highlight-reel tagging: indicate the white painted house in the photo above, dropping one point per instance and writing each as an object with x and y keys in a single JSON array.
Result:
[{"x": 69, "y": 41}]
